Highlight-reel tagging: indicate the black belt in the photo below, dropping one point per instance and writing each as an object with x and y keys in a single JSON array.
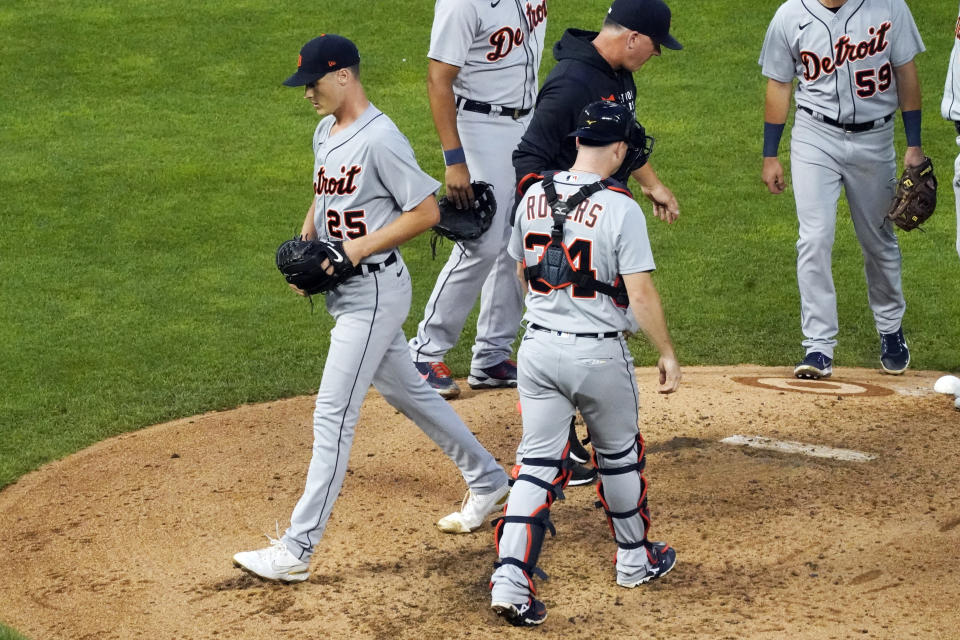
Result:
[
  {"x": 366, "y": 268},
  {"x": 956, "y": 125},
  {"x": 608, "y": 334},
  {"x": 483, "y": 107},
  {"x": 849, "y": 128}
]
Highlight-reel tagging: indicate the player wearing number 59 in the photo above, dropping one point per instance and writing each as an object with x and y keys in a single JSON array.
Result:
[
  {"x": 853, "y": 61},
  {"x": 370, "y": 194}
]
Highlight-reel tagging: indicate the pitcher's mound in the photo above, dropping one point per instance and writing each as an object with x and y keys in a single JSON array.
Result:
[{"x": 133, "y": 537}]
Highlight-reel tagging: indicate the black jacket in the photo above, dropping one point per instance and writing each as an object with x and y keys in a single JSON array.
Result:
[{"x": 581, "y": 76}]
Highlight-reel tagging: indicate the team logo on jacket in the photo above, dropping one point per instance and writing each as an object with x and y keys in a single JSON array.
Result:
[
  {"x": 342, "y": 185},
  {"x": 844, "y": 51},
  {"x": 957, "y": 28},
  {"x": 504, "y": 39}
]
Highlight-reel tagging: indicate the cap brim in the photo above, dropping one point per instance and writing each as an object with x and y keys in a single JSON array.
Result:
[
  {"x": 302, "y": 78},
  {"x": 670, "y": 43}
]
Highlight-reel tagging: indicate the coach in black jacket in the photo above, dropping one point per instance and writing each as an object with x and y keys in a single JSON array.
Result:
[{"x": 595, "y": 66}]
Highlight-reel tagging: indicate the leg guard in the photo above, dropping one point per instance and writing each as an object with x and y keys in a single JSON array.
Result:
[
  {"x": 538, "y": 522},
  {"x": 633, "y": 523},
  {"x": 554, "y": 489},
  {"x": 537, "y": 526}
]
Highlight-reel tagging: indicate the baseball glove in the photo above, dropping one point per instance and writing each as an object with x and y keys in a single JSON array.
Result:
[
  {"x": 302, "y": 263},
  {"x": 916, "y": 196},
  {"x": 465, "y": 224}
]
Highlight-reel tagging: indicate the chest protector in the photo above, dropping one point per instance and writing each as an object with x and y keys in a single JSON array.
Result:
[{"x": 555, "y": 269}]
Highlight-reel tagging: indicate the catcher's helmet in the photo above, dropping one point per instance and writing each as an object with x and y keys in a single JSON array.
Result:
[{"x": 604, "y": 122}]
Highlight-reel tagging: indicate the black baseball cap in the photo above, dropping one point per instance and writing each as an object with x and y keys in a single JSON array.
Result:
[
  {"x": 604, "y": 122},
  {"x": 649, "y": 17},
  {"x": 325, "y": 53}
]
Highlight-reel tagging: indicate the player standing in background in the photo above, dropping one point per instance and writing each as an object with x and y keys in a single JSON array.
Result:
[
  {"x": 854, "y": 64},
  {"x": 596, "y": 66},
  {"x": 370, "y": 193},
  {"x": 574, "y": 355},
  {"x": 482, "y": 83},
  {"x": 950, "y": 109}
]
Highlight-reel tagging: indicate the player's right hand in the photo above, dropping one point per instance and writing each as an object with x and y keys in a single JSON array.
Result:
[
  {"x": 669, "y": 374},
  {"x": 459, "y": 190},
  {"x": 772, "y": 175}
]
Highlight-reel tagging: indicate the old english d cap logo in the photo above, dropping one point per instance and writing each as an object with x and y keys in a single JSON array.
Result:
[{"x": 325, "y": 53}]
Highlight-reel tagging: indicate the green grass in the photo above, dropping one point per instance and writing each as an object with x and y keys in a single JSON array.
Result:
[
  {"x": 7, "y": 633},
  {"x": 152, "y": 162}
]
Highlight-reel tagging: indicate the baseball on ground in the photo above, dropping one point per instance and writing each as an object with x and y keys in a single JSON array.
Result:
[{"x": 947, "y": 384}]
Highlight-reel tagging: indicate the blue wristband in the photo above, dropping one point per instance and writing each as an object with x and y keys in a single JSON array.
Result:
[
  {"x": 454, "y": 156},
  {"x": 771, "y": 139},
  {"x": 911, "y": 127}
]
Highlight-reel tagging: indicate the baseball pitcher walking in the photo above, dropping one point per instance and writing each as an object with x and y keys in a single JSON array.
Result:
[
  {"x": 853, "y": 61},
  {"x": 371, "y": 194}
]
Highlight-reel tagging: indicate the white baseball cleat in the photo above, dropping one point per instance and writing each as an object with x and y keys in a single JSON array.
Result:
[
  {"x": 273, "y": 563},
  {"x": 474, "y": 510}
]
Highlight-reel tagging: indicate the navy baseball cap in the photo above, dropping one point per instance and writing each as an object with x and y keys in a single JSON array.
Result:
[
  {"x": 604, "y": 122},
  {"x": 320, "y": 56},
  {"x": 649, "y": 17}
]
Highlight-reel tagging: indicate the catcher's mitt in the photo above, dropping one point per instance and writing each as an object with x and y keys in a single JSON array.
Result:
[
  {"x": 916, "y": 196},
  {"x": 302, "y": 263},
  {"x": 466, "y": 224}
]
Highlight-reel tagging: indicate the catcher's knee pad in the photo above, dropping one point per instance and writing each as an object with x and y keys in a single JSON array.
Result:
[
  {"x": 554, "y": 488},
  {"x": 617, "y": 464},
  {"x": 537, "y": 525}
]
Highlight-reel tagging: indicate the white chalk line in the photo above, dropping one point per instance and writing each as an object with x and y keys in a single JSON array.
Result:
[{"x": 786, "y": 446}]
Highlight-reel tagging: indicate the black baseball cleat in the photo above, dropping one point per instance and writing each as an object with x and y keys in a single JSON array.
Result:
[
  {"x": 530, "y": 614},
  {"x": 580, "y": 474},
  {"x": 815, "y": 365},
  {"x": 499, "y": 375},
  {"x": 662, "y": 561},
  {"x": 894, "y": 354}
]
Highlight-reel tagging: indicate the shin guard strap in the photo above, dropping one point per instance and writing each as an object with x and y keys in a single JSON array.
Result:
[
  {"x": 526, "y": 568},
  {"x": 543, "y": 484}
]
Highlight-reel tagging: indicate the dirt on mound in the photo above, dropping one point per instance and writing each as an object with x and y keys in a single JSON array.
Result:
[{"x": 133, "y": 537}]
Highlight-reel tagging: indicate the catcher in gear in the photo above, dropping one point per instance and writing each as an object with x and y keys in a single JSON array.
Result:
[
  {"x": 465, "y": 224},
  {"x": 574, "y": 357},
  {"x": 314, "y": 266},
  {"x": 916, "y": 197}
]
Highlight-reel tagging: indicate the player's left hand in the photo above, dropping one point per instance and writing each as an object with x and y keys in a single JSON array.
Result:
[
  {"x": 664, "y": 202},
  {"x": 669, "y": 374},
  {"x": 913, "y": 157}
]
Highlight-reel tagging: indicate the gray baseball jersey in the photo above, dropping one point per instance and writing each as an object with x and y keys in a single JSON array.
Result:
[
  {"x": 497, "y": 45},
  {"x": 371, "y": 151},
  {"x": 845, "y": 60},
  {"x": 365, "y": 176},
  {"x": 561, "y": 369},
  {"x": 607, "y": 234}
]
